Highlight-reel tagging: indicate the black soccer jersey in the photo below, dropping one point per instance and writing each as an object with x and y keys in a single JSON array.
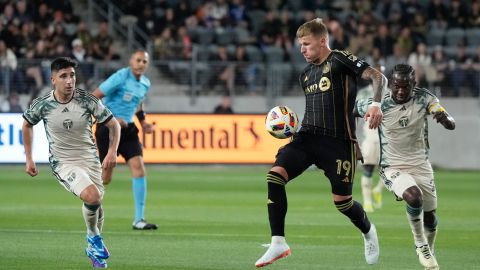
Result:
[{"x": 330, "y": 91}]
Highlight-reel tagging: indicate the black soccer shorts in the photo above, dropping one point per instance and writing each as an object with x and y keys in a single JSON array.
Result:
[
  {"x": 128, "y": 147},
  {"x": 336, "y": 157}
]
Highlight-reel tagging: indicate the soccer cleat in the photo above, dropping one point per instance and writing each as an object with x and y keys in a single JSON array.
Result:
[
  {"x": 368, "y": 207},
  {"x": 144, "y": 225},
  {"x": 277, "y": 250},
  {"x": 96, "y": 262},
  {"x": 426, "y": 258},
  {"x": 372, "y": 249},
  {"x": 98, "y": 248},
  {"x": 377, "y": 198}
]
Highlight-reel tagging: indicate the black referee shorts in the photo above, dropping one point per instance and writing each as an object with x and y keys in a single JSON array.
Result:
[
  {"x": 336, "y": 157},
  {"x": 129, "y": 146}
]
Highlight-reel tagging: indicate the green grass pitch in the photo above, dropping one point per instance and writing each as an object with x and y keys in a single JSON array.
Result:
[{"x": 216, "y": 218}]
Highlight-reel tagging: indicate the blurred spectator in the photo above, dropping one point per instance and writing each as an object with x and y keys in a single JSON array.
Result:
[
  {"x": 8, "y": 66},
  {"x": 85, "y": 37},
  {"x": 419, "y": 28},
  {"x": 398, "y": 57},
  {"x": 457, "y": 14},
  {"x": 383, "y": 41},
  {"x": 42, "y": 16},
  {"x": 440, "y": 64},
  {"x": 421, "y": 61},
  {"x": 405, "y": 40},
  {"x": 238, "y": 12},
  {"x": 361, "y": 44},
  {"x": 268, "y": 31},
  {"x": 12, "y": 104},
  {"x": 103, "y": 44},
  {"x": 85, "y": 62},
  {"x": 437, "y": 14},
  {"x": 461, "y": 70},
  {"x": 286, "y": 31},
  {"x": 246, "y": 72},
  {"x": 183, "y": 40},
  {"x": 225, "y": 107},
  {"x": 164, "y": 45},
  {"x": 476, "y": 73},
  {"x": 339, "y": 40},
  {"x": 22, "y": 11},
  {"x": 222, "y": 71},
  {"x": 474, "y": 16}
]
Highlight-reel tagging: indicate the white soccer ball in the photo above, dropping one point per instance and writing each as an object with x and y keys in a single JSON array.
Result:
[{"x": 281, "y": 122}]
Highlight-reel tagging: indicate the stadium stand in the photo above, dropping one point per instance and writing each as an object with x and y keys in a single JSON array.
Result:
[{"x": 181, "y": 36}]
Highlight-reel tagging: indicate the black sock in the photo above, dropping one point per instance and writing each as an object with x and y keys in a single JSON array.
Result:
[
  {"x": 277, "y": 203},
  {"x": 354, "y": 211}
]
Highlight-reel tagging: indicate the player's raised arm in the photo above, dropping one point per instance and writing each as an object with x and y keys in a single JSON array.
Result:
[
  {"x": 379, "y": 84},
  {"x": 27, "y": 133}
]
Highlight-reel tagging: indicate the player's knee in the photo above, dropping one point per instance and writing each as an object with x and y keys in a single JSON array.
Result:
[
  {"x": 274, "y": 177},
  {"x": 106, "y": 180},
  {"x": 91, "y": 195},
  {"x": 413, "y": 197},
  {"x": 368, "y": 170},
  {"x": 280, "y": 171},
  {"x": 430, "y": 220}
]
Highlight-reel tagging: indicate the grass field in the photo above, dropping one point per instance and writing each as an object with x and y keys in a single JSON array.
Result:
[{"x": 216, "y": 218}]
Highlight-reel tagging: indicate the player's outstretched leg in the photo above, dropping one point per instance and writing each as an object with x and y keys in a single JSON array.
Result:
[
  {"x": 366, "y": 182},
  {"x": 278, "y": 249},
  {"x": 372, "y": 248}
]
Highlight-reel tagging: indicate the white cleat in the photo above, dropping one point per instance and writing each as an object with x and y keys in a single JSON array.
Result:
[
  {"x": 372, "y": 249},
  {"x": 278, "y": 249},
  {"x": 426, "y": 258}
]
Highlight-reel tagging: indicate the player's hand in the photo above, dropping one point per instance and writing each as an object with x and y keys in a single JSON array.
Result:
[
  {"x": 375, "y": 114},
  {"x": 31, "y": 168},
  {"x": 147, "y": 127},
  {"x": 110, "y": 161},
  {"x": 443, "y": 118}
]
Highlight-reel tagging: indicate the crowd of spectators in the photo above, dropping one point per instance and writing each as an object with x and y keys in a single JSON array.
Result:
[
  {"x": 34, "y": 32},
  {"x": 439, "y": 38}
]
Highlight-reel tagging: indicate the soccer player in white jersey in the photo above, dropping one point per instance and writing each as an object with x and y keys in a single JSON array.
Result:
[
  {"x": 405, "y": 168},
  {"x": 370, "y": 146},
  {"x": 67, "y": 113}
]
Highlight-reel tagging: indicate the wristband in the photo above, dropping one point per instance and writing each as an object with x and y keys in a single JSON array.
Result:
[
  {"x": 375, "y": 104},
  {"x": 140, "y": 115}
]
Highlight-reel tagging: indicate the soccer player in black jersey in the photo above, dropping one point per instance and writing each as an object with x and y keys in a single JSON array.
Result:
[{"x": 327, "y": 137}]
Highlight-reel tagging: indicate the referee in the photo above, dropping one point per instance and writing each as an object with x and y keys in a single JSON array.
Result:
[{"x": 123, "y": 93}]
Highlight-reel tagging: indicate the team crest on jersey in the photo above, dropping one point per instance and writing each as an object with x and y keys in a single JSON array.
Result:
[
  {"x": 326, "y": 68},
  {"x": 403, "y": 121},
  {"x": 324, "y": 84},
  {"x": 67, "y": 124}
]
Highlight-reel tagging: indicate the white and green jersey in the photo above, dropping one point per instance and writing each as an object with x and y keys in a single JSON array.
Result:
[
  {"x": 68, "y": 126},
  {"x": 404, "y": 129}
]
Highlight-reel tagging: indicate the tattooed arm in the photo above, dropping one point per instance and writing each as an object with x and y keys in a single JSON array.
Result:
[{"x": 379, "y": 84}]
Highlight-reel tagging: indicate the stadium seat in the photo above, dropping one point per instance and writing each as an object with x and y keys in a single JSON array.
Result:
[
  {"x": 435, "y": 37},
  {"x": 224, "y": 37},
  {"x": 205, "y": 36},
  {"x": 256, "y": 18},
  {"x": 254, "y": 54},
  {"x": 473, "y": 36},
  {"x": 241, "y": 35},
  {"x": 454, "y": 36},
  {"x": 274, "y": 54}
]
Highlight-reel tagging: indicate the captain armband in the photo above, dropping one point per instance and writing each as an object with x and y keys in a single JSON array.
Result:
[
  {"x": 140, "y": 115},
  {"x": 435, "y": 108}
]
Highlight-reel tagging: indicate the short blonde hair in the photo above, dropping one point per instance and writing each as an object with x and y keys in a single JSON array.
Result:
[{"x": 315, "y": 27}]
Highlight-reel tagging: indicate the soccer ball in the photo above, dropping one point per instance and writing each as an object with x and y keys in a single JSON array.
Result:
[{"x": 281, "y": 122}]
